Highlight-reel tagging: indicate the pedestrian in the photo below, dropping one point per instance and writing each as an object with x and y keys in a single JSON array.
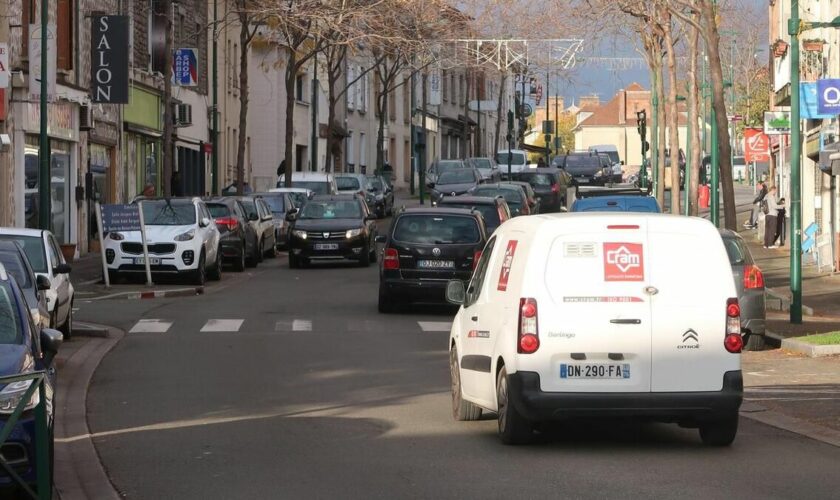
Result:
[
  {"x": 771, "y": 226},
  {"x": 781, "y": 223},
  {"x": 541, "y": 162},
  {"x": 762, "y": 192}
]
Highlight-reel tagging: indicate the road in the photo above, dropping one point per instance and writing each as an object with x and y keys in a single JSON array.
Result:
[{"x": 307, "y": 392}]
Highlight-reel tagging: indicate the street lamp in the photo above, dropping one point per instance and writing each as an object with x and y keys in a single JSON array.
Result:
[{"x": 687, "y": 174}]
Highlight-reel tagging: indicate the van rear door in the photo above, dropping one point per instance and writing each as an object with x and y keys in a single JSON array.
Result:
[{"x": 597, "y": 328}]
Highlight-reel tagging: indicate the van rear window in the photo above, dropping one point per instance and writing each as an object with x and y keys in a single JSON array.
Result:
[{"x": 436, "y": 229}]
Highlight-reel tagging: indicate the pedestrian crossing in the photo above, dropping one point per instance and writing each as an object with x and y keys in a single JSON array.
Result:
[{"x": 294, "y": 325}]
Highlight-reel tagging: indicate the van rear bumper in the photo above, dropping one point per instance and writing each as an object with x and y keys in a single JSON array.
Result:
[{"x": 536, "y": 405}]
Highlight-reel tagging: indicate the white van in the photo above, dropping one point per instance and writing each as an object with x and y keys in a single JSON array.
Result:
[
  {"x": 599, "y": 315},
  {"x": 317, "y": 182},
  {"x": 518, "y": 161}
]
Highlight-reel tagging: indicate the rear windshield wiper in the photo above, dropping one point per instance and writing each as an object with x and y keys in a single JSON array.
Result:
[{"x": 442, "y": 242}]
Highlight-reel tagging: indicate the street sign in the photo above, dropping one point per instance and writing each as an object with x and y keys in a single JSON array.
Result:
[
  {"x": 828, "y": 95},
  {"x": 735, "y": 118},
  {"x": 4, "y": 65},
  {"x": 484, "y": 105},
  {"x": 526, "y": 110},
  {"x": 185, "y": 67},
  {"x": 777, "y": 122},
  {"x": 120, "y": 218},
  {"x": 756, "y": 145}
]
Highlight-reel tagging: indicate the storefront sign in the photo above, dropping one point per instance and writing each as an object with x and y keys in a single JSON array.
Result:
[
  {"x": 756, "y": 145},
  {"x": 809, "y": 102},
  {"x": 4, "y": 65},
  {"x": 776, "y": 122},
  {"x": 434, "y": 88},
  {"x": 828, "y": 95},
  {"x": 60, "y": 123},
  {"x": 185, "y": 67},
  {"x": 120, "y": 218},
  {"x": 109, "y": 59},
  {"x": 35, "y": 61}
]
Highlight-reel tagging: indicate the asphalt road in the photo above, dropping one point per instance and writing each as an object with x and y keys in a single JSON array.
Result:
[{"x": 316, "y": 395}]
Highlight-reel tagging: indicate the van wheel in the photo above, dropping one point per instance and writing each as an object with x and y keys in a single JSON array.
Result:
[
  {"x": 719, "y": 432},
  {"x": 754, "y": 342},
  {"x": 513, "y": 427},
  {"x": 461, "y": 410}
]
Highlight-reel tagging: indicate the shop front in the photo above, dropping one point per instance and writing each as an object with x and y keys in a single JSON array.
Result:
[{"x": 143, "y": 125}]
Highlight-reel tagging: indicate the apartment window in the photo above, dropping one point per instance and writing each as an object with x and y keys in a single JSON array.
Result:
[
  {"x": 453, "y": 88},
  {"x": 300, "y": 88},
  {"x": 64, "y": 34},
  {"x": 351, "y": 152},
  {"x": 350, "y": 95},
  {"x": 445, "y": 90},
  {"x": 228, "y": 65},
  {"x": 377, "y": 91},
  {"x": 362, "y": 152},
  {"x": 157, "y": 36},
  {"x": 234, "y": 67},
  {"x": 363, "y": 90},
  {"x": 406, "y": 100},
  {"x": 461, "y": 89},
  {"x": 392, "y": 105}
]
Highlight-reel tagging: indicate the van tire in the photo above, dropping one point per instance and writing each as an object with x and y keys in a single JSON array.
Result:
[
  {"x": 462, "y": 410},
  {"x": 755, "y": 342},
  {"x": 719, "y": 432},
  {"x": 513, "y": 427}
]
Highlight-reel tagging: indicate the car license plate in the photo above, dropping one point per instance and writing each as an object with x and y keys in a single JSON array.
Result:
[
  {"x": 153, "y": 261},
  {"x": 436, "y": 264},
  {"x": 594, "y": 371},
  {"x": 582, "y": 179},
  {"x": 326, "y": 246}
]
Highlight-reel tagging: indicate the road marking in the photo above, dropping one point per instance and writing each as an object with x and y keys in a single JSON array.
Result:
[
  {"x": 435, "y": 326},
  {"x": 151, "y": 326},
  {"x": 222, "y": 325},
  {"x": 302, "y": 325}
]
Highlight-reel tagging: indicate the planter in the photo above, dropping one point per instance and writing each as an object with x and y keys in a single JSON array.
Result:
[
  {"x": 69, "y": 252},
  {"x": 780, "y": 48}
]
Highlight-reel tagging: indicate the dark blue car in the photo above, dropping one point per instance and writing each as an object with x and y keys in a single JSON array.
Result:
[
  {"x": 617, "y": 203},
  {"x": 24, "y": 348}
]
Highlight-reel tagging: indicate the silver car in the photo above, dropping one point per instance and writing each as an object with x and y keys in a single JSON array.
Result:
[{"x": 749, "y": 281}]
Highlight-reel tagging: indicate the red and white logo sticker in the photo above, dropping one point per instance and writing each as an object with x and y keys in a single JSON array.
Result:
[
  {"x": 505, "y": 273},
  {"x": 624, "y": 262}
]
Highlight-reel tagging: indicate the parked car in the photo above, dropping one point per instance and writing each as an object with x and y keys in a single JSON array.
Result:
[
  {"x": 280, "y": 203},
  {"x": 383, "y": 196},
  {"x": 514, "y": 196},
  {"x": 749, "y": 283},
  {"x": 585, "y": 168},
  {"x": 261, "y": 220},
  {"x": 45, "y": 257},
  {"x": 424, "y": 248},
  {"x": 610, "y": 150},
  {"x": 24, "y": 348},
  {"x": 614, "y": 200},
  {"x": 332, "y": 227},
  {"x": 591, "y": 316},
  {"x": 442, "y": 166},
  {"x": 487, "y": 168},
  {"x": 454, "y": 183},
  {"x": 317, "y": 182},
  {"x": 495, "y": 211},
  {"x": 612, "y": 171},
  {"x": 33, "y": 286},
  {"x": 238, "y": 239},
  {"x": 356, "y": 184},
  {"x": 181, "y": 237},
  {"x": 299, "y": 196},
  {"x": 530, "y": 196},
  {"x": 514, "y": 159},
  {"x": 549, "y": 184}
]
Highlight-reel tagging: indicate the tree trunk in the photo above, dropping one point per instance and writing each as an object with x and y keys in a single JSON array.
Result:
[
  {"x": 381, "y": 106},
  {"x": 331, "y": 139},
  {"x": 291, "y": 75},
  {"x": 693, "y": 112},
  {"x": 467, "y": 116},
  {"x": 499, "y": 113},
  {"x": 244, "y": 43},
  {"x": 168, "y": 122},
  {"x": 660, "y": 119},
  {"x": 673, "y": 114}
]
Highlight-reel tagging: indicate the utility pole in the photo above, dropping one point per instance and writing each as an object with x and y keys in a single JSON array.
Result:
[
  {"x": 413, "y": 130},
  {"x": 214, "y": 175},
  {"x": 795, "y": 170},
  {"x": 715, "y": 188},
  {"x": 168, "y": 122},
  {"x": 314, "y": 157},
  {"x": 732, "y": 140},
  {"x": 654, "y": 150},
  {"x": 44, "y": 209},
  {"x": 547, "y": 117}
]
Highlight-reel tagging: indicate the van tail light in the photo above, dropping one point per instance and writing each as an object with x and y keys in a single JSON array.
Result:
[
  {"x": 528, "y": 340},
  {"x": 476, "y": 257},
  {"x": 555, "y": 188},
  {"x": 753, "y": 278},
  {"x": 391, "y": 259},
  {"x": 229, "y": 222},
  {"x": 733, "y": 342}
]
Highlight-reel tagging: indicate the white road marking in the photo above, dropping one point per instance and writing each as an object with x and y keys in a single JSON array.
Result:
[
  {"x": 151, "y": 326},
  {"x": 302, "y": 325},
  {"x": 435, "y": 326},
  {"x": 222, "y": 325}
]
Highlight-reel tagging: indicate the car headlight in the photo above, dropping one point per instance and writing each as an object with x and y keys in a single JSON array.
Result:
[
  {"x": 11, "y": 395},
  {"x": 297, "y": 233},
  {"x": 116, "y": 236},
  {"x": 352, "y": 233},
  {"x": 599, "y": 173},
  {"x": 186, "y": 236},
  {"x": 380, "y": 197}
]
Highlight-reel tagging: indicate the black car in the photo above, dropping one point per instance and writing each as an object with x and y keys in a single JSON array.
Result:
[
  {"x": 549, "y": 184},
  {"x": 494, "y": 209},
  {"x": 585, "y": 168},
  {"x": 530, "y": 195},
  {"x": 454, "y": 182},
  {"x": 513, "y": 194},
  {"x": 13, "y": 258},
  {"x": 425, "y": 248},
  {"x": 238, "y": 238},
  {"x": 442, "y": 166},
  {"x": 331, "y": 227},
  {"x": 383, "y": 195}
]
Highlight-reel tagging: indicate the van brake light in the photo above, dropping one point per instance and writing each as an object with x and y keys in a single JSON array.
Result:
[
  {"x": 528, "y": 340},
  {"x": 733, "y": 341}
]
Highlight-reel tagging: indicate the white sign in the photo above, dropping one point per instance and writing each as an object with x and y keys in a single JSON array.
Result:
[
  {"x": 4, "y": 65},
  {"x": 777, "y": 122},
  {"x": 434, "y": 88},
  {"x": 35, "y": 61}
]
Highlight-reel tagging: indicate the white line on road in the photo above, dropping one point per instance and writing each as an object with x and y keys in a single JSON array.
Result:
[
  {"x": 151, "y": 326},
  {"x": 302, "y": 325},
  {"x": 435, "y": 326},
  {"x": 222, "y": 325}
]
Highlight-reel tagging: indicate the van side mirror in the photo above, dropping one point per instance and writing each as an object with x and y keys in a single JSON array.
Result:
[
  {"x": 204, "y": 222},
  {"x": 456, "y": 292},
  {"x": 42, "y": 282}
]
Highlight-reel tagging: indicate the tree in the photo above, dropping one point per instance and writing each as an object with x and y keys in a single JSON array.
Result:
[
  {"x": 673, "y": 111},
  {"x": 693, "y": 111}
]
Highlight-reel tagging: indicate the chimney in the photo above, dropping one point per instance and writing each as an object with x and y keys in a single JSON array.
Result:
[
  {"x": 591, "y": 100},
  {"x": 622, "y": 107}
]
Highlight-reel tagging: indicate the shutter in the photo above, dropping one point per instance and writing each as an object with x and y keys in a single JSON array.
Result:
[
  {"x": 24, "y": 20},
  {"x": 64, "y": 35}
]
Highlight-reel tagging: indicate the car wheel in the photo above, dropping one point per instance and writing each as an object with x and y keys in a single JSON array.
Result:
[
  {"x": 67, "y": 328},
  {"x": 373, "y": 253},
  {"x": 719, "y": 432},
  {"x": 239, "y": 265},
  {"x": 461, "y": 410},
  {"x": 293, "y": 261},
  {"x": 216, "y": 272},
  {"x": 386, "y": 304},
  {"x": 260, "y": 252},
  {"x": 200, "y": 276},
  {"x": 364, "y": 260},
  {"x": 755, "y": 342},
  {"x": 254, "y": 258},
  {"x": 513, "y": 428}
]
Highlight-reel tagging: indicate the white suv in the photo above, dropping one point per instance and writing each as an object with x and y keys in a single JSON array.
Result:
[
  {"x": 599, "y": 315},
  {"x": 182, "y": 239}
]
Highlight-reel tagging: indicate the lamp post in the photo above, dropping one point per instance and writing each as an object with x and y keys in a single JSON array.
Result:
[
  {"x": 654, "y": 150},
  {"x": 687, "y": 174},
  {"x": 44, "y": 210}
]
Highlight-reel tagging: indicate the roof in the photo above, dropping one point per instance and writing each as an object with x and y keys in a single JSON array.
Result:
[
  {"x": 608, "y": 115},
  {"x": 286, "y": 190},
  {"x": 335, "y": 197}
]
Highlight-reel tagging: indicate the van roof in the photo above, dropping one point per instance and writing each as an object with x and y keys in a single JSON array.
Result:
[
  {"x": 308, "y": 176},
  {"x": 585, "y": 221}
]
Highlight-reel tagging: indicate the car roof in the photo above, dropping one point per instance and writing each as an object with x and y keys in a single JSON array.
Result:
[
  {"x": 465, "y": 200},
  {"x": 19, "y": 231},
  {"x": 437, "y": 211},
  {"x": 335, "y": 197},
  {"x": 282, "y": 190},
  {"x": 499, "y": 185}
]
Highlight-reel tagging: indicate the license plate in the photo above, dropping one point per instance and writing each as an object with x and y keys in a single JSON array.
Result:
[
  {"x": 436, "y": 264},
  {"x": 594, "y": 371},
  {"x": 583, "y": 179},
  {"x": 153, "y": 261},
  {"x": 326, "y": 246}
]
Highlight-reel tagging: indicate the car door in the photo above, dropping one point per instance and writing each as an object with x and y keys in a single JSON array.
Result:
[
  {"x": 478, "y": 333},
  {"x": 209, "y": 234},
  {"x": 61, "y": 282}
]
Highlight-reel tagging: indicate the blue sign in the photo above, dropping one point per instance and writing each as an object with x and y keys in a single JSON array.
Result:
[
  {"x": 828, "y": 95},
  {"x": 808, "y": 102},
  {"x": 185, "y": 67},
  {"x": 120, "y": 218}
]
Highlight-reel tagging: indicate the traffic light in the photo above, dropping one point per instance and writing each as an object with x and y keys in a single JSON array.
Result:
[
  {"x": 645, "y": 147},
  {"x": 641, "y": 123}
]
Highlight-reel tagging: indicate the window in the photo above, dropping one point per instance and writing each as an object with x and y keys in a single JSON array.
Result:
[
  {"x": 362, "y": 151},
  {"x": 445, "y": 90},
  {"x": 300, "y": 88},
  {"x": 377, "y": 91},
  {"x": 436, "y": 229},
  {"x": 350, "y": 95},
  {"x": 363, "y": 91},
  {"x": 64, "y": 34},
  {"x": 392, "y": 105},
  {"x": 477, "y": 282},
  {"x": 453, "y": 89},
  {"x": 407, "y": 100},
  {"x": 11, "y": 331},
  {"x": 351, "y": 151},
  {"x": 53, "y": 255},
  {"x": 461, "y": 89}
]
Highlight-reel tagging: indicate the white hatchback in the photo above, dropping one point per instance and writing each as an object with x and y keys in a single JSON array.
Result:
[
  {"x": 182, "y": 239},
  {"x": 599, "y": 315}
]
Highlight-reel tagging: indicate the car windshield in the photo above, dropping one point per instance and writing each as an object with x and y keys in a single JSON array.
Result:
[
  {"x": 513, "y": 197},
  {"x": 482, "y": 163},
  {"x": 11, "y": 331},
  {"x": 250, "y": 207},
  {"x": 436, "y": 229},
  {"x": 489, "y": 212},
  {"x": 15, "y": 266},
  {"x": 535, "y": 179},
  {"x": 314, "y": 186},
  {"x": 376, "y": 182},
  {"x": 515, "y": 158},
  {"x": 298, "y": 198},
  {"x": 460, "y": 176},
  {"x": 277, "y": 204},
  {"x": 33, "y": 247},
  {"x": 734, "y": 251},
  {"x": 446, "y": 166},
  {"x": 347, "y": 183},
  {"x": 582, "y": 161},
  {"x": 344, "y": 209},
  {"x": 163, "y": 213},
  {"x": 218, "y": 210}
]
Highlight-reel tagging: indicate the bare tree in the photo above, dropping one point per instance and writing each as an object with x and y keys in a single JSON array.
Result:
[
  {"x": 673, "y": 112},
  {"x": 693, "y": 112}
]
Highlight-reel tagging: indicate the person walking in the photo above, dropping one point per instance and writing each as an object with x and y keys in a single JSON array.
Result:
[
  {"x": 781, "y": 226},
  {"x": 762, "y": 192},
  {"x": 541, "y": 162},
  {"x": 771, "y": 226}
]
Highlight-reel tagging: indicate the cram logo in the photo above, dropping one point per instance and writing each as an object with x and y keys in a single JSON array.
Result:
[
  {"x": 624, "y": 262},
  {"x": 690, "y": 340}
]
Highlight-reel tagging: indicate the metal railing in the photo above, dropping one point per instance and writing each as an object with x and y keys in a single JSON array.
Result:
[{"x": 42, "y": 446}]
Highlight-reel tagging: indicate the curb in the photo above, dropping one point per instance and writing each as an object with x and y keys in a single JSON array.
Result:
[
  {"x": 778, "y": 301},
  {"x": 152, "y": 294},
  {"x": 810, "y": 350},
  {"x": 795, "y": 425},
  {"x": 82, "y": 329}
]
